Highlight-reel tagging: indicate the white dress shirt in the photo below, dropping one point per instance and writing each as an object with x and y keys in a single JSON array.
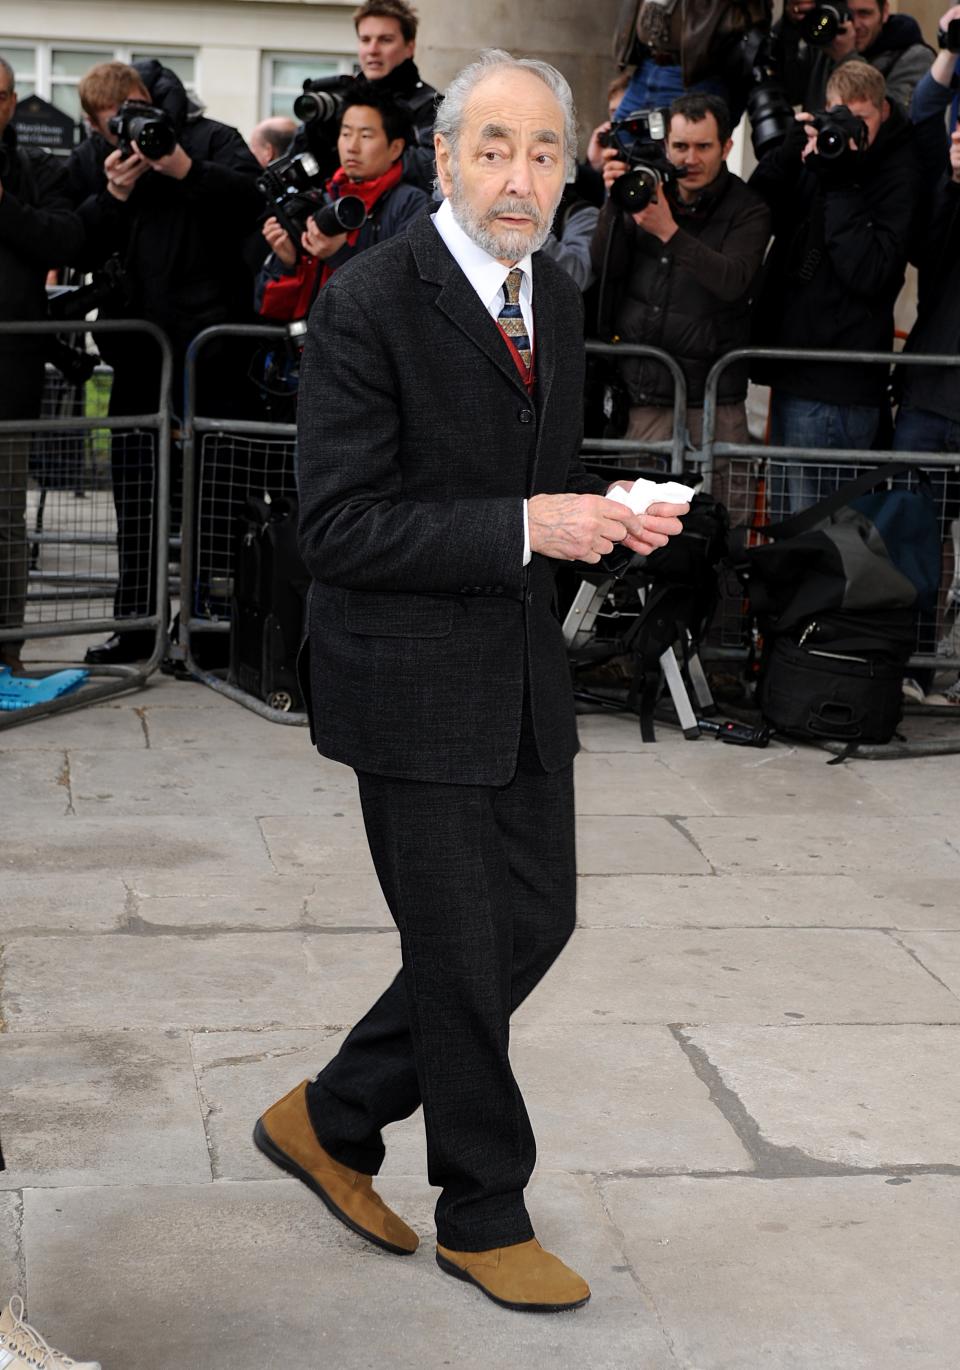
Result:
[{"x": 487, "y": 276}]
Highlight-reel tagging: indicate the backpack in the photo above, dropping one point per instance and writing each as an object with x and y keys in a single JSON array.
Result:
[{"x": 837, "y": 595}]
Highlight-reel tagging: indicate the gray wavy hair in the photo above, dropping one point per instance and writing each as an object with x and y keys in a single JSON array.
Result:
[{"x": 449, "y": 120}]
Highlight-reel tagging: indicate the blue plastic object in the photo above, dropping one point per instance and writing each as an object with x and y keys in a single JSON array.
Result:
[{"x": 19, "y": 692}]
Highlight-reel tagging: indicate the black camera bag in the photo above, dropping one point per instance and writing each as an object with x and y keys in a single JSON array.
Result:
[
  {"x": 837, "y": 595},
  {"x": 270, "y": 590}
]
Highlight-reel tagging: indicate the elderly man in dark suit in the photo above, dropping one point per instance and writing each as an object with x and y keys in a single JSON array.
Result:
[{"x": 440, "y": 413}]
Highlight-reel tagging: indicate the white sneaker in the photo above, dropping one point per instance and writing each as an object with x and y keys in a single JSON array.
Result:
[
  {"x": 950, "y": 696},
  {"x": 912, "y": 690},
  {"x": 23, "y": 1348}
]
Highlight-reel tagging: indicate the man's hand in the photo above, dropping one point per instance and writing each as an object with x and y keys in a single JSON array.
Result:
[
  {"x": 844, "y": 43},
  {"x": 595, "y": 148},
  {"x": 123, "y": 173},
  {"x": 658, "y": 218},
  {"x": 176, "y": 164},
  {"x": 319, "y": 244},
  {"x": 955, "y": 155},
  {"x": 794, "y": 10},
  {"x": 587, "y": 527},
  {"x": 281, "y": 244},
  {"x": 613, "y": 167},
  {"x": 660, "y": 523}
]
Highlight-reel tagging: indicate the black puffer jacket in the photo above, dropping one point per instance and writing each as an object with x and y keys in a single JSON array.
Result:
[
  {"x": 937, "y": 329},
  {"x": 689, "y": 296},
  {"x": 899, "y": 54},
  {"x": 188, "y": 246},
  {"x": 419, "y": 101},
  {"x": 37, "y": 231},
  {"x": 837, "y": 261}
]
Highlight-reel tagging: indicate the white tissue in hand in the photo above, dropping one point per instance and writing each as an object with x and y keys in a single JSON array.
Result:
[{"x": 647, "y": 492}]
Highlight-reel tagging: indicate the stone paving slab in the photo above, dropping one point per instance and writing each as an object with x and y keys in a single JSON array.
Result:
[
  {"x": 180, "y": 899},
  {"x": 116, "y": 1274},
  {"x": 36, "y": 778},
  {"x": 734, "y": 780},
  {"x": 631, "y": 783},
  {"x": 207, "y": 782},
  {"x": 627, "y": 846},
  {"x": 107, "y": 726},
  {"x": 11, "y": 1281},
  {"x": 928, "y": 785},
  {"x": 82, "y": 845},
  {"x": 664, "y": 975},
  {"x": 762, "y": 901},
  {"x": 837, "y": 844},
  {"x": 230, "y": 980},
  {"x": 857, "y": 1096},
  {"x": 639, "y": 1105},
  {"x": 105, "y": 1108},
  {"x": 236, "y": 730},
  {"x": 303, "y": 846},
  {"x": 61, "y": 903},
  {"x": 940, "y": 953},
  {"x": 852, "y": 1273}
]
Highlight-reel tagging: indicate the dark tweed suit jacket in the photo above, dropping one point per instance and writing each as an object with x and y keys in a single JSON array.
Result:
[{"x": 417, "y": 444}]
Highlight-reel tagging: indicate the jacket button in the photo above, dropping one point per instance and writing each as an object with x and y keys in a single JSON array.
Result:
[{"x": 525, "y": 416}]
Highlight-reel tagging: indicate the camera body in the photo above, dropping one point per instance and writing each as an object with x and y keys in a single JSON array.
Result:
[
  {"x": 293, "y": 188},
  {"x": 836, "y": 128},
  {"x": 949, "y": 38},
  {"x": 820, "y": 26},
  {"x": 640, "y": 139},
  {"x": 150, "y": 128}
]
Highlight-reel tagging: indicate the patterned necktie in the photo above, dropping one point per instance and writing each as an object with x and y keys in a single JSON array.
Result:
[{"x": 510, "y": 317}]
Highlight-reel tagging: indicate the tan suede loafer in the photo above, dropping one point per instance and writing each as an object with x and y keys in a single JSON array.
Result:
[
  {"x": 285, "y": 1135},
  {"x": 523, "y": 1277}
]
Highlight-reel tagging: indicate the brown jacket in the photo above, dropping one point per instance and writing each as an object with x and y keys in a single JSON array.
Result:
[{"x": 699, "y": 30}]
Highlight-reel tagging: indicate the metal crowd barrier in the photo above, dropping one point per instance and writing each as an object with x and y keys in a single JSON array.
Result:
[
  {"x": 58, "y": 529},
  {"x": 226, "y": 460},
  {"x": 742, "y": 466}
]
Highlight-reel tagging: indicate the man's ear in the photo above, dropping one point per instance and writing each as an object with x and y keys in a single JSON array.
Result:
[
  {"x": 396, "y": 149},
  {"x": 444, "y": 154},
  {"x": 727, "y": 148}
]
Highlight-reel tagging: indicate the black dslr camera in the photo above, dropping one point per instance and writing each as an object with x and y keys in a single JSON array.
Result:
[
  {"x": 949, "y": 38},
  {"x": 293, "y": 188},
  {"x": 150, "y": 128},
  {"x": 820, "y": 26},
  {"x": 836, "y": 128},
  {"x": 640, "y": 139}
]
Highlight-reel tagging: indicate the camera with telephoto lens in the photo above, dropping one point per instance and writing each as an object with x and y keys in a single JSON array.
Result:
[
  {"x": 949, "y": 38},
  {"x": 836, "y": 129},
  {"x": 640, "y": 139},
  {"x": 820, "y": 26},
  {"x": 72, "y": 304},
  {"x": 293, "y": 187},
  {"x": 150, "y": 128},
  {"x": 754, "y": 63}
]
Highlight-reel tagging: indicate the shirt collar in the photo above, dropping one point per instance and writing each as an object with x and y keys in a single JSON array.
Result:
[{"x": 484, "y": 272}]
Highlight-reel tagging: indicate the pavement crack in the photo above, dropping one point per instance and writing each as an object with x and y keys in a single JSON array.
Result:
[
  {"x": 19, "y": 1245},
  {"x": 679, "y": 825},
  {"x": 205, "y": 1112},
  {"x": 266, "y": 845},
  {"x": 922, "y": 964},
  {"x": 144, "y": 724},
  {"x": 65, "y": 779}
]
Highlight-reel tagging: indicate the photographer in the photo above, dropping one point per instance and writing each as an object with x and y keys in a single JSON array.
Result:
[
  {"x": 891, "y": 43},
  {"x": 843, "y": 190},
  {"x": 37, "y": 231},
  {"x": 372, "y": 138},
  {"x": 937, "y": 92},
  {"x": 272, "y": 138},
  {"x": 184, "y": 227},
  {"x": 681, "y": 271}
]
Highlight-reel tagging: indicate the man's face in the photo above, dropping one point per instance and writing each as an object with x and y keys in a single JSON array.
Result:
[
  {"x": 868, "y": 19},
  {"x": 100, "y": 121},
  {"x": 365, "y": 151},
  {"x": 381, "y": 46},
  {"x": 505, "y": 180},
  {"x": 868, "y": 112},
  {"x": 8, "y": 101},
  {"x": 696, "y": 145}
]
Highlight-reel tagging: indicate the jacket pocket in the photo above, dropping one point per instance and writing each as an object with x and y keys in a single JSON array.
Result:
[{"x": 385, "y": 615}]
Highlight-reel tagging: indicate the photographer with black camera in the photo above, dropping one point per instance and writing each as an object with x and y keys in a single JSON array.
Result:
[
  {"x": 678, "y": 245},
  {"x": 937, "y": 93},
  {"x": 843, "y": 189},
  {"x": 37, "y": 231},
  {"x": 814, "y": 36},
  {"x": 172, "y": 196},
  {"x": 316, "y": 230},
  {"x": 386, "y": 43}
]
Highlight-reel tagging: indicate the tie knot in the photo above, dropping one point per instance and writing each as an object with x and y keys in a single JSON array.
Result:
[{"x": 511, "y": 286}]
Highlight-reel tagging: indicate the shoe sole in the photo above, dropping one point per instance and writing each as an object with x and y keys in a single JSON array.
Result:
[
  {"x": 449, "y": 1268},
  {"x": 263, "y": 1142}
]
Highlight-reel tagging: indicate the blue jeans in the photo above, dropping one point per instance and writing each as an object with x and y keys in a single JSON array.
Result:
[
  {"x": 920, "y": 430},
  {"x": 801, "y": 423},
  {"x": 655, "y": 87}
]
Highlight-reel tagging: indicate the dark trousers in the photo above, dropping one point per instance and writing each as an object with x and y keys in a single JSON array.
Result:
[{"x": 481, "y": 883}]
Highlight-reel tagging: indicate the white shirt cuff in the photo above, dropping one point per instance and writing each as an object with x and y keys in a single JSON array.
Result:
[{"x": 527, "y": 554}]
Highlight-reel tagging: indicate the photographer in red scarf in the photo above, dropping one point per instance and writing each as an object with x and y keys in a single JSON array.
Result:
[{"x": 373, "y": 135}]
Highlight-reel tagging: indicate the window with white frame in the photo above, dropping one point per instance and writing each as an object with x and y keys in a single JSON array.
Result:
[
  {"x": 285, "y": 72},
  {"x": 53, "y": 70}
]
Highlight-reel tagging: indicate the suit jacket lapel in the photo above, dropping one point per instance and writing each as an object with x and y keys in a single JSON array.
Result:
[
  {"x": 545, "y": 344},
  {"x": 458, "y": 300}
]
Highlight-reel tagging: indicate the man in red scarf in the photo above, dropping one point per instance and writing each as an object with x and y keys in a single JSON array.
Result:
[{"x": 373, "y": 135}]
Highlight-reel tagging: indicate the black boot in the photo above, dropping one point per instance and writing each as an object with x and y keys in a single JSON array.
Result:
[{"x": 122, "y": 649}]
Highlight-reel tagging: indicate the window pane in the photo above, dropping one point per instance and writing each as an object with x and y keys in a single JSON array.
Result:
[
  {"x": 23, "y": 61},
  {"x": 290, "y": 73},
  {"x": 66, "y": 63},
  {"x": 26, "y": 87},
  {"x": 180, "y": 63},
  {"x": 66, "y": 99}
]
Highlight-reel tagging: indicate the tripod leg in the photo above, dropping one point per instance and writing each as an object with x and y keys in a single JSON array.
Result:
[
  {"x": 698, "y": 679},
  {"x": 582, "y": 615},
  {"x": 678, "y": 693}
]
